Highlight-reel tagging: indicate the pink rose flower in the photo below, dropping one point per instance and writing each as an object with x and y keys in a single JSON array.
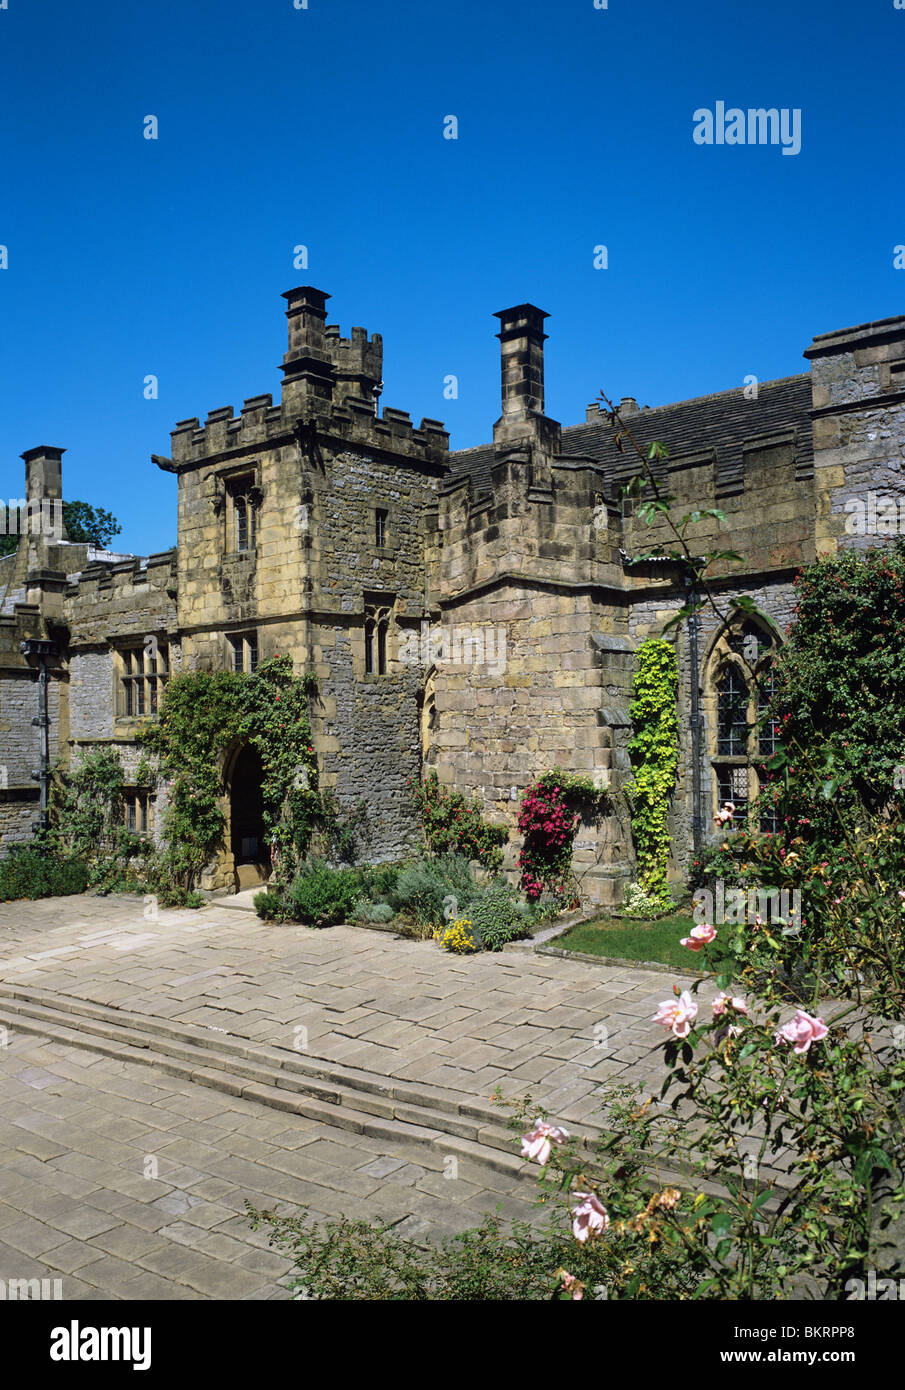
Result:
[
  {"x": 725, "y": 1001},
  {"x": 677, "y": 1015},
  {"x": 536, "y": 1144},
  {"x": 572, "y": 1285},
  {"x": 589, "y": 1218},
  {"x": 699, "y": 937},
  {"x": 802, "y": 1030}
]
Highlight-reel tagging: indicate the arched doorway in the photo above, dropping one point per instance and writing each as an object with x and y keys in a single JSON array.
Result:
[{"x": 251, "y": 853}]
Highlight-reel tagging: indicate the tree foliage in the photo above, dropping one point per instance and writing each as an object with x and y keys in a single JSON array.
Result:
[{"x": 85, "y": 524}]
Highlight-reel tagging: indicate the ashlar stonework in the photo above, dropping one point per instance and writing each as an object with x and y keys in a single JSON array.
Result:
[{"x": 475, "y": 613}]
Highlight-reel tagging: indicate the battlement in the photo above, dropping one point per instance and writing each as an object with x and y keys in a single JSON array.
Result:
[
  {"x": 330, "y": 382},
  {"x": 261, "y": 424},
  {"x": 357, "y": 362},
  {"x": 106, "y": 579}
]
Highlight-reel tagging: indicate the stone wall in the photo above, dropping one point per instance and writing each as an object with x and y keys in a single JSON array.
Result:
[
  {"x": 512, "y": 614},
  {"x": 858, "y": 379}
]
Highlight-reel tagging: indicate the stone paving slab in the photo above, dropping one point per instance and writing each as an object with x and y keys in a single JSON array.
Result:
[
  {"x": 77, "y": 1195},
  {"x": 401, "y": 1008},
  {"x": 131, "y": 1209}
]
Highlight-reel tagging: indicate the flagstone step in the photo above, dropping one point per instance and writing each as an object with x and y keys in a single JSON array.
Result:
[
  {"x": 300, "y": 1083},
  {"x": 382, "y": 1111},
  {"x": 249, "y": 1058}
]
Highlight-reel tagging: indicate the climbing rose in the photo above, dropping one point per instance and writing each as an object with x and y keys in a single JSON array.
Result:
[
  {"x": 677, "y": 1015},
  {"x": 802, "y": 1030},
  {"x": 725, "y": 1001},
  {"x": 589, "y": 1218},
  {"x": 538, "y": 1141},
  {"x": 699, "y": 937}
]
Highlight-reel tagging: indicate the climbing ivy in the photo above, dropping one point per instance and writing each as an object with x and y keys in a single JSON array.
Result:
[
  {"x": 86, "y": 822},
  {"x": 86, "y": 803},
  {"x": 654, "y": 753},
  {"x": 202, "y": 714}
]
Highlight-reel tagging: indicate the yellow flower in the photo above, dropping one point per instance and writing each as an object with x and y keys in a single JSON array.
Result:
[{"x": 457, "y": 937}]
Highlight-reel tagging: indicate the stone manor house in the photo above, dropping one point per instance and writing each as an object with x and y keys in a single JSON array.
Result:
[{"x": 473, "y": 612}]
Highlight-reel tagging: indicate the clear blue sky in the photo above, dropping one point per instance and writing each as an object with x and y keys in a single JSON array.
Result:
[{"x": 325, "y": 127}]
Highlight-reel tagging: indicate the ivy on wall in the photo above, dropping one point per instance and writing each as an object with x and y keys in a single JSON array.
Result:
[
  {"x": 203, "y": 714},
  {"x": 654, "y": 752},
  {"x": 86, "y": 823}
]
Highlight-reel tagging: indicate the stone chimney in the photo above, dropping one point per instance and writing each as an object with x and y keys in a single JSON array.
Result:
[
  {"x": 44, "y": 473},
  {"x": 523, "y": 423},
  {"x": 522, "y": 339},
  {"x": 628, "y": 406},
  {"x": 307, "y": 366}
]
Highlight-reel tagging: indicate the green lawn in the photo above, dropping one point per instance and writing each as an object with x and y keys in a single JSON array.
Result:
[{"x": 655, "y": 941}]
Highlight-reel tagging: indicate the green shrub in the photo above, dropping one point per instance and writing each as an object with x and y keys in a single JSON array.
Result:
[
  {"x": 647, "y": 906},
  {"x": 365, "y": 911},
  {"x": 496, "y": 919},
  {"x": 378, "y": 881},
  {"x": 34, "y": 871},
  {"x": 174, "y": 895},
  {"x": 353, "y": 1260},
  {"x": 320, "y": 896},
  {"x": 434, "y": 890},
  {"x": 270, "y": 906}
]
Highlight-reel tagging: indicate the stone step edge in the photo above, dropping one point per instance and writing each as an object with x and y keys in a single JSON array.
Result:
[
  {"x": 410, "y": 1110},
  {"x": 242, "y": 1074},
  {"x": 339, "y": 1116},
  {"x": 491, "y": 1147},
  {"x": 287, "y": 1065}
]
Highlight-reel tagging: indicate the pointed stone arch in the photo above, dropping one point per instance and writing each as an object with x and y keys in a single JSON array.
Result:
[{"x": 737, "y": 682}]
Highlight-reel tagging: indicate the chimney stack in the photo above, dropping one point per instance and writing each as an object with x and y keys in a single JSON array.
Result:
[
  {"x": 522, "y": 339},
  {"x": 44, "y": 473},
  {"x": 307, "y": 367}
]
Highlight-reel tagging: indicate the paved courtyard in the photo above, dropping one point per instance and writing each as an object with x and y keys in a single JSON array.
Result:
[
  {"x": 365, "y": 999},
  {"x": 126, "y": 1185},
  {"x": 126, "y": 1173}
]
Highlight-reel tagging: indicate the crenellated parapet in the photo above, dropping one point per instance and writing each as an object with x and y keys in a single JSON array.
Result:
[
  {"x": 127, "y": 597},
  {"x": 261, "y": 424},
  {"x": 331, "y": 387}
]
